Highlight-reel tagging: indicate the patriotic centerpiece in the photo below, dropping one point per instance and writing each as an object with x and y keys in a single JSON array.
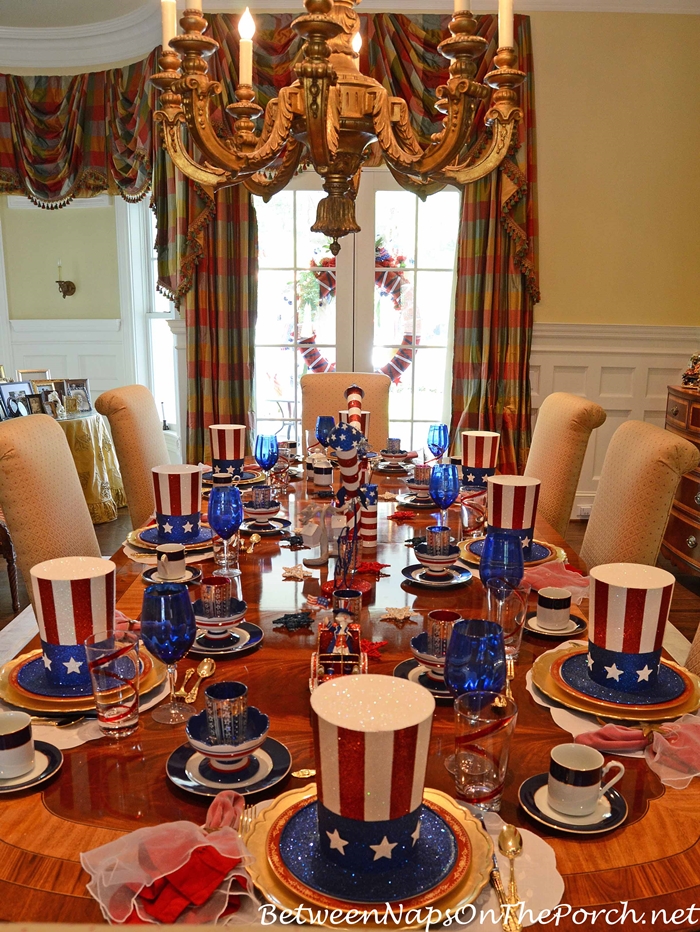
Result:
[
  {"x": 354, "y": 414},
  {"x": 73, "y": 598},
  {"x": 178, "y": 490},
  {"x": 479, "y": 457},
  {"x": 629, "y": 606},
  {"x": 512, "y": 507},
  {"x": 369, "y": 496},
  {"x": 371, "y": 736},
  {"x": 227, "y": 448}
]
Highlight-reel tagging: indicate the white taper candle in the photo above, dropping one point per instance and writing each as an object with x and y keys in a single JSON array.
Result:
[
  {"x": 193, "y": 5},
  {"x": 246, "y": 30},
  {"x": 168, "y": 19},
  {"x": 505, "y": 24},
  {"x": 462, "y": 6}
]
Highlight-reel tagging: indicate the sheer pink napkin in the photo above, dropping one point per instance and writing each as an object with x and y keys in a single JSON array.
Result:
[
  {"x": 177, "y": 872},
  {"x": 560, "y": 576},
  {"x": 672, "y": 751}
]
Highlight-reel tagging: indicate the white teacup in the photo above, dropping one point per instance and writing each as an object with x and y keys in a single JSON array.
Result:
[
  {"x": 171, "y": 561},
  {"x": 553, "y": 608},
  {"x": 576, "y": 773},
  {"x": 16, "y": 744}
]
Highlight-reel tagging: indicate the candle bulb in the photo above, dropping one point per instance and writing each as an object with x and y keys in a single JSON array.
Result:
[
  {"x": 168, "y": 19},
  {"x": 357, "y": 43},
  {"x": 505, "y": 24},
  {"x": 246, "y": 30},
  {"x": 194, "y": 5},
  {"x": 462, "y": 6}
]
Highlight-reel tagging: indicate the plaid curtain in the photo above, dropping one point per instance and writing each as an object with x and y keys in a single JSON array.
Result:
[{"x": 497, "y": 286}]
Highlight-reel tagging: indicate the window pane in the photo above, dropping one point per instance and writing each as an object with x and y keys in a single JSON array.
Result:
[
  {"x": 316, "y": 305},
  {"x": 310, "y": 246},
  {"x": 393, "y": 307},
  {"x": 401, "y": 429},
  {"x": 429, "y": 384},
  {"x": 420, "y": 435},
  {"x": 276, "y": 231},
  {"x": 438, "y": 223},
  {"x": 433, "y": 305},
  {"x": 274, "y": 382},
  {"x": 163, "y": 362},
  {"x": 275, "y": 307},
  {"x": 285, "y": 429},
  {"x": 395, "y": 224}
]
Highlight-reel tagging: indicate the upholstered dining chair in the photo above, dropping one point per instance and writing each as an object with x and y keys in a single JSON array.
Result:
[
  {"x": 638, "y": 481},
  {"x": 137, "y": 433},
  {"x": 559, "y": 443},
  {"x": 323, "y": 393},
  {"x": 40, "y": 494},
  {"x": 7, "y": 551}
]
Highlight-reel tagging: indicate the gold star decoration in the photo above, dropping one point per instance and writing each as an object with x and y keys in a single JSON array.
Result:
[
  {"x": 398, "y": 616},
  {"x": 297, "y": 573}
]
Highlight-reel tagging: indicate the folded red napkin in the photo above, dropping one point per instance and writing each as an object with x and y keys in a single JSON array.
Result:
[
  {"x": 178, "y": 872},
  {"x": 560, "y": 576},
  {"x": 614, "y": 738}
]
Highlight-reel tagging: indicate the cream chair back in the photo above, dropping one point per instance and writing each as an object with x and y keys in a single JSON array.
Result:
[
  {"x": 559, "y": 442},
  {"x": 41, "y": 495},
  {"x": 638, "y": 481},
  {"x": 324, "y": 393},
  {"x": 137, "y": 432}
]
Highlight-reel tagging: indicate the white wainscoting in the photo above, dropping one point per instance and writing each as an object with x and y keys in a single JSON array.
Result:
[
  {"x": 89, "y": 349},
  {"x": 625, "y": 369}
]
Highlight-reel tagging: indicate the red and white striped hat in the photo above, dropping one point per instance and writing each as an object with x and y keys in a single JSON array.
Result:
[
  {"x": 480, "y": 448},
  {"x": 629, "y": 606},
  {"x": 178, "y": 489},
  {"x": 512, "y": 501},
  {"x": 227, "y": 441}
]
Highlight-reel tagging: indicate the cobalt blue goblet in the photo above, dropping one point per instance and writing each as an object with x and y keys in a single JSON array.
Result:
[
  {"x": 324, "y": 426},
  {"x": 168, "y": 629},
  {"x": 444, "y": 488},
  {"x": 225, "y": 517},
  {"x": 502, "y": 559},
  {"x": 438, "y": 440},
  {"x": 267, "y": 452}
]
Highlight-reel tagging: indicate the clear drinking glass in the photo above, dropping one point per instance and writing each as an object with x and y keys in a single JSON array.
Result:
[
  {"x": 113, "y": 662},
  {"x": 484, "y": 726},
  {"x": 507, "y": 606}
]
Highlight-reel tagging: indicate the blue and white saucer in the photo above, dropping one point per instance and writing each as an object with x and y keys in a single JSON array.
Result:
[
  {"x": 246, "y": 476},
  {"x": 669, "y": 685},
  {"x": 574, "y": 626},
  {"x": 192, "y": 575},
  {"x": 151, "y": 535},
  {"x": 435, "y": 855},
  {"x": 268, "y": 529},
  {"x": 47, "y": 761},
  {"x": 610, "y": 812},
  {"x": 417, "y": 673},
  {"x": 190, "y": 770},
  {"x": 419, "y": 576},
  {"x": 242, "y": 639}
]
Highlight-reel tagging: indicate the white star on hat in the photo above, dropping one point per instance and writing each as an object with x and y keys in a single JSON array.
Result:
[
  {"x": 589, "y": 661},
  {"x": 526, "y": 541},
  {"x": 188, "y": 527},
  {"x": 384, "y": 849},
  {"x": 47, "y": 662},
  {"x": 416, "y": 835},
  {"x": 613, "y": 673},
  {"x": 471, "y": 477},
  {"x": 168, "y": 528},
  {"x": 644, "y": 674},
  {"x": 230, "y": 469},
  {"x": 336, "y": 841},
  {"x": 73, "y": 665}
]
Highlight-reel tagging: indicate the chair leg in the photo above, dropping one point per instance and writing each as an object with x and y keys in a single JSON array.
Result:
[{"x": 8, "y": 552}]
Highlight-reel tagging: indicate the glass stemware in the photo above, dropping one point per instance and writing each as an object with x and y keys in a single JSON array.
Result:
[
  {"x": 502, "y": 559},
  {"x": 444, "y": 488},
  {"x": 438, "y": 440},
  {"x": 225, "y": 517},
  {"x": 475, "y": 661},
  {"x": 168, "y": 629},
  {"x": 266, "y": 453},
  {"x": 324, "y": 426}
]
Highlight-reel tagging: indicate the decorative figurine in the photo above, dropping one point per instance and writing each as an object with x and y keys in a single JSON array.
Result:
[{"x": 691, "y": 376}]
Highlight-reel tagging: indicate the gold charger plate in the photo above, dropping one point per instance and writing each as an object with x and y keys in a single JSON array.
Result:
[
  {"x": 134, "y": 540},
  {"x": 154, "y": 678},
  {"x": 277, "y": 893},
  {"x": 543, "y": 680},
  {"x": 466, "y": 555}
]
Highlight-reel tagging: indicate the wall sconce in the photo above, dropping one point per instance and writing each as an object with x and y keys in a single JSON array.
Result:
[{"x": 65, "y": 287}]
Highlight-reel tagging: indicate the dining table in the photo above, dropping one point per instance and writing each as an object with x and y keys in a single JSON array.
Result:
[{"x": 109, "y": 787}]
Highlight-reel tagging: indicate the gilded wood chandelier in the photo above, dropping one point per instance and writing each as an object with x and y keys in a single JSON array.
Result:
[{"x": 332, "y": 113}]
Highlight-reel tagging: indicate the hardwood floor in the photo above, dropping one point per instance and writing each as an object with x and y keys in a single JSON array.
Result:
[{"x": 685, "y": 608}]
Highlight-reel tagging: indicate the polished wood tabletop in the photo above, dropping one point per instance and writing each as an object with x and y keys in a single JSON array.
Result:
[{"x": 108, "y": 787}]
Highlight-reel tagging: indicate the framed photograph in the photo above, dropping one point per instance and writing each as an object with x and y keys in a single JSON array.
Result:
[
  {"x": 80, "y": 390},
  {"x": 39, "y": 386},
  {"x": 71, "y": 405},
  {"x": 15, "y": 390},
  {"x": 36, "y": 405},
  {"x": 30, "y": 375}
]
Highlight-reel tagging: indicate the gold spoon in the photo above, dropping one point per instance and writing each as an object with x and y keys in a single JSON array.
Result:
[
  {"x": 206, "y": 668},
  {"x": 510, "y": 843},
  {"x": 182, "y": 691},
  {"x": 254, "y": 539}
]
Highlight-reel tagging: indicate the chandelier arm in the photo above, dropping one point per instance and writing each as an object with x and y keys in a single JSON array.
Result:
[
  {"x": 171, "y": 128},
  {"x": 278, "y": 135},
  {"x": 417, "y": 186},
  {"x": 196, "y": 91},
  {"x": 268, "y": 187},
  {"x": 466, "y": 173},
  {"x": 461, "y": 102}
]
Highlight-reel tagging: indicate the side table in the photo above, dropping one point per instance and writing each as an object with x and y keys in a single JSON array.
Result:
[{"x": 97, "y": 465}]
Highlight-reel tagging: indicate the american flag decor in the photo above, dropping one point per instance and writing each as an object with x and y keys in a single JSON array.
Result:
[
  {"x": 361, "y": 422},
  {"x": 628, "y": 611},
  {"x": 353, "y": 398},
  {"x": 479, "y": 457},
  {"x": 227, "y": 448},
  {"x": 372, "y": 735},
  {"x": 512, "y": 506},
  {"x": 369, "y": 497},
  {"x": 178, "y": 492},
  {"x": 73, "y": 598}
]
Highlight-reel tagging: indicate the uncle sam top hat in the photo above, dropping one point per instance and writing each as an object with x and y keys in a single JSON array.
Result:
[
  {"x": 512, "y": 507},
  {"x": 178, "y": 491},
  {"x": 479, "y": 456},
  {"x": 371, "y": 736},
  {"x": 227, "y": 448}
]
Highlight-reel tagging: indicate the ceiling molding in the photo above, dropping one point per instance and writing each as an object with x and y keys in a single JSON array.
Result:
[{"x": 131, "y": 37}]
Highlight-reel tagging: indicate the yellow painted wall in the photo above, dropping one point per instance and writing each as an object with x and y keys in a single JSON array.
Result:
[
  {"x": 83, "y": 238},
  {"x": 618, "y": 140}
]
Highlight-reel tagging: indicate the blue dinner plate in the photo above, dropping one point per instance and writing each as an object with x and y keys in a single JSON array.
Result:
[
  {"x": 537, "y": 551},
  {"x": 419, "y": 576},
  {"x": 415, "y": 672},
  {"x": 435, "y": 854},
  {"x": 245, "y": 477},
  {"x": 151, "y": 536},
  {"x": 190, "y": 770},
  {"x": 228, "y": 646},
  {"x": 669, "y": 685},
  {"x": 32, "y": 677}
]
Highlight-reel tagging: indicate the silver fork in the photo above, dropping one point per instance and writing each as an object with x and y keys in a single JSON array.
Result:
[{"x": 247, "y": 819}]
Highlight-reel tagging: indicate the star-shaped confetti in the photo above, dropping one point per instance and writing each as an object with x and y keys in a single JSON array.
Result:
[
  {"x": 371, "y": 566},
  {"x": 387, "y": 496},
  {"x": 297, "y": 573},
  {"x": 402, "y": 516},
  {"x": 398, "y": 616},
  {"x": 293, "y": 621},
  {"x": 372, "y": 648}
]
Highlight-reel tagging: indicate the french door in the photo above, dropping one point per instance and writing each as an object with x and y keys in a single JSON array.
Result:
[{"x": 385, "y": 304}]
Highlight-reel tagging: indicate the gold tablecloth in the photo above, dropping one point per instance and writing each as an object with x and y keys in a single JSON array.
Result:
[{"x": 97, "y": 465}]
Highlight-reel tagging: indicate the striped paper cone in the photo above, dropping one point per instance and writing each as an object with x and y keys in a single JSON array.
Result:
[
  {"x": 73, "y": 598},
  {"x": 371, "y": 737},
  {"x": 344, "y": 418},
  {"x": 354, "y": 396},
  {"x": 227, "y": 448},
  {"x": 345, "y": 439},
  {"x": 178, "y": 490},
  {"x": 628, "y": 611},
  {"x": 512, "y": 506},
  {"x": 479, "y": 457}
]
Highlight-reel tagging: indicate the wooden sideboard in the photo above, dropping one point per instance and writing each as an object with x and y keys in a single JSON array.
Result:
[{"x": 682, "y": 539}]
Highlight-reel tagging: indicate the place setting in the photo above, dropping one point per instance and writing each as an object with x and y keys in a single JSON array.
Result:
[
  {"x": 554, "y": 618},
  {"x": 222, "y": 630}
]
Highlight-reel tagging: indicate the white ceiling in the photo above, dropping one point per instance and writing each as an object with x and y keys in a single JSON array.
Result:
[{"x": 55, "y": 36}]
